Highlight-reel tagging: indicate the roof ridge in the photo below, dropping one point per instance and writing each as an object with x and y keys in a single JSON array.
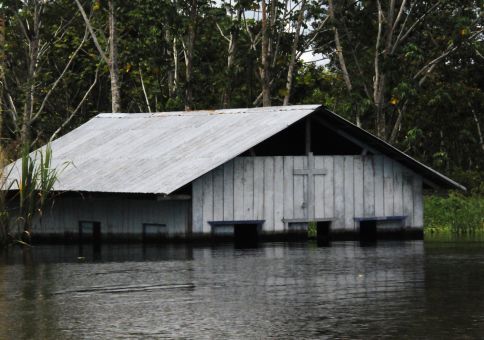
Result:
[{"x": 206, "y": 112}]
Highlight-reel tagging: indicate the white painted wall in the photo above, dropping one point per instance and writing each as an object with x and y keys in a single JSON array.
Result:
[
  {"x": 265, "y": 188},
  {"x": 117, "y": 216}
]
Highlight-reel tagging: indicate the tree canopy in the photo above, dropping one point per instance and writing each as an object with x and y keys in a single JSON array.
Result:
[{"x": 409, "y": 71}]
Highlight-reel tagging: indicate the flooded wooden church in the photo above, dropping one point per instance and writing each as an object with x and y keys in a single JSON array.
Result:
[{"x": 262, "y": 171}]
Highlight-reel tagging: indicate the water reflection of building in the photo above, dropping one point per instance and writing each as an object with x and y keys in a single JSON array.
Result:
[
  {"x": 275, "y": 290},
  {"x": 313, "y": 292}
]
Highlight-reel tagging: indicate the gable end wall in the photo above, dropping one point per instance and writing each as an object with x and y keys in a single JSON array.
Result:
[{"x": 265, "y": 188}]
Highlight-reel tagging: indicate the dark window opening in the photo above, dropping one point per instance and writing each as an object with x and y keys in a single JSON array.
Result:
[
  {"x": 323, "y": 231},
  {"x": 368, "y": 231},
  {"x": 246, "y": 234},
  {"x": 292, "y": 141},
  {"x": 154, "y": 232},
  {"x": 324, "y": 141},
  {"x": 90, "y": 231},
  {"x": 184, "y": 190}
]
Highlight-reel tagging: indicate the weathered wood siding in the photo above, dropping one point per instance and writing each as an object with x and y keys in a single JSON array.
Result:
[
  {"x": 117, "y": 216},
  {"x": 265, "y": 188}
]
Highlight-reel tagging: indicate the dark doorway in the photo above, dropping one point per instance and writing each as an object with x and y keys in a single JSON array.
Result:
[
  {"x": 368, "y": 231},
  {"x": 153, "y": 232},
  {"x": 246, "y": 234},
  {"x": 323, "y": 232},
  {"x": 90, "y": 231}
]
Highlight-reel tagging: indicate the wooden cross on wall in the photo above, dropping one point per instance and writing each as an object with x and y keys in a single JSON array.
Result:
[{"x": 311, "y": 171}]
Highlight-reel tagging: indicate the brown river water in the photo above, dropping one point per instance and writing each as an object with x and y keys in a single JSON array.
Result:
[{"x": 346, "y": 290}]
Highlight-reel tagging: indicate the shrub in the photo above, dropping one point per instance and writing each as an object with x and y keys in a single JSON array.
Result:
[{"x": 456, "y": 213}]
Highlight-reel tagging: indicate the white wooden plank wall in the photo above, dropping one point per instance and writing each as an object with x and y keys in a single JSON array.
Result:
[
  {"x": 117, "y": 216},
  {"x": 228, "y": 203},
  {"x": 397, "y": 189},
  {"x": 207, "y": 202},
  {"x": 218, "y": 193},
  {"x": 328, "y": 179},
  {"x": 299, "y": 192},
  {"x": 238, "y": 188},
  {"x": 319, "y": 188},
  {"x": 265, "y": 188},
  {"x": 417, "y": 202},
  {"x": 288, "y": 187},
  {"x": 278, "y": 193},
  {"x": 339, "y": 191},
  {"x": 197, "y": 205},
  {"x": 269, "y": 194},
  {"x": 248, "y": 182},
  {"x": 261, "y": 188},
  {"x": 358, "y": 186},
  {"x": 348, "y": 193},
  {"x": 368, "y": 186},
  {"x": 379, "y": 185},
  {"x": 388, "y": 187},
  {"x": 408, "y": 197}
]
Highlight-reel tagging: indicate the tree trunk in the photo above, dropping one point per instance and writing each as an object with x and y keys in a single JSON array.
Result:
[
  {"x": 188, "y": 51},
  {"x": 169, "y": 53},
  {"x": 379, "y": 79},
  {"x": 175, "y": 66},
  {"x": 339, "y": 47},
  {"x": 33, "y": 56},
  {"x": 233, "y": 41},
  {"x": 265, "y": 59},
  {"x": 478, "y": 127},
  {"x": 380, "y": 107},
  {"x": 2, "y": 70},
  {"x": 113, "y": 60},
  {"x": 341, "y": 58},
  {"x": 188, "y": 70},
  {"x": 292, "y": 62}
]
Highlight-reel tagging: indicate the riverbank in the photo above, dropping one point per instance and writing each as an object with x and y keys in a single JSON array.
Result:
[{"x": 454, "y": 214}]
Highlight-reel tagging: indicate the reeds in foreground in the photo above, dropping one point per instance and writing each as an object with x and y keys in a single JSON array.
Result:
[
  {"x": 33, "y": 190},
  {"x": 4, "y": 187},
  {"x": 35, "y": 186}
]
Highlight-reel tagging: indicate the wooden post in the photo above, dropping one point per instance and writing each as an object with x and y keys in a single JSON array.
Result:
[{"x": 308, "y": 135}]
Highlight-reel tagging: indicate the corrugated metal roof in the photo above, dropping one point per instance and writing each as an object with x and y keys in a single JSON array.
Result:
[{"x": 160, "y": 152}]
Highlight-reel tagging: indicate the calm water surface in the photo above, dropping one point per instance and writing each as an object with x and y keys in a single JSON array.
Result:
[{"x": 277, "y": 290}]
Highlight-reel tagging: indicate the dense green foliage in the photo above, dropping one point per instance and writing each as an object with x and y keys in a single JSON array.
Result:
[
  {"x": 53, "y": 78},
  {"x": 456, "y": 214},
  {"x": 37, "y": 178}
]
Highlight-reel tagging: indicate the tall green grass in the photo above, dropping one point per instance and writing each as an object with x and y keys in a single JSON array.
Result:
[
  {"x": 4, "y": 186},
  {"x": 34, "y": 186},
  {"x": 456, "y": 213},
  {"x": 37, "y": 180}
]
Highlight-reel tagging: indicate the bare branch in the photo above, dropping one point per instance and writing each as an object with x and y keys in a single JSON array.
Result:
[
  {"x": 222, "y": 33},
  {"x": 77, "y": 107},
  {"x": 91, "y": 31},
  {"x": 401, "y": 37},
  {"x": 292, "y": 62},
  {"x": 144, "y": 90},
  {"x": 399, "y": 15},
  {"x": 13, "y": 109},
  {"x": 54, "y": 85},
  {"x": 339, "y": 48},
  {"x": 376, "y": 82}
]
